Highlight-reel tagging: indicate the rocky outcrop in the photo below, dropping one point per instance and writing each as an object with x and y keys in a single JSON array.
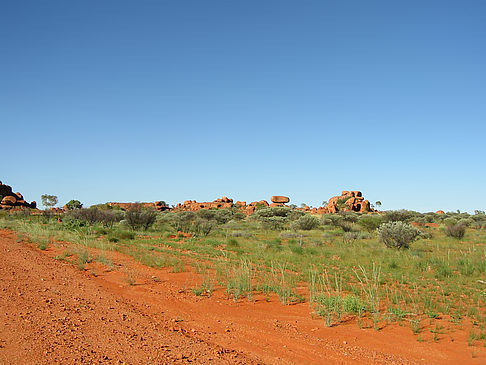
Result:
[
  {"x": 348, "y": 201},
  {"x": 10, "y": 200},
  {"x": 193, "y": 206},
  {"x": 158, "y": 205}
]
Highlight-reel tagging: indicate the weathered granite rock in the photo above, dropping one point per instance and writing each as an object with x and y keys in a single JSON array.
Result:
[{"x": 280, "y": 199}]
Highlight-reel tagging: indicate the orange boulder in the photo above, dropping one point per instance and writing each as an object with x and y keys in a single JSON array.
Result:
[{"x": 280, "y": 199}]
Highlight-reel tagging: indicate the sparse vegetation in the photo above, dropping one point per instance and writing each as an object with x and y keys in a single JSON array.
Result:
[{"x": 348, "y": 272}]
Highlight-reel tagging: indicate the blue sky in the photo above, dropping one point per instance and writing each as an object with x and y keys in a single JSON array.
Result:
[{"x": 174, "y": 100}]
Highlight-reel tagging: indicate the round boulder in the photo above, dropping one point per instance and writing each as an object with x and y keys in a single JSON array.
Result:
[{"x": 9, "y": 200}]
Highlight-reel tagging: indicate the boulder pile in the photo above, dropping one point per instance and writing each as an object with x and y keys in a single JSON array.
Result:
[
  {"x": 222, "y": 203},
  {"x": 11, "y": 200},
  {"x": 348, "y": 201}
]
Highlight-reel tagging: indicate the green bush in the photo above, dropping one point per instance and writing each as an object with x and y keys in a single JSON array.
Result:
[
  {"x": 306, "y": 223},
  {"x": 398, "y": 215},
  {"x": 449, "y": 221},
  {"x": 350, "y": 237},
  {"x": 272, "y": 212},
  {"x": 116, "y": 236},
  {"x": 276, "y": 223},
  {"x": 202, "y": 227},
  {"x": 180, "y": 221},
  {"x": 370, "y": 222},
  {"x": 398, "y": 234}
]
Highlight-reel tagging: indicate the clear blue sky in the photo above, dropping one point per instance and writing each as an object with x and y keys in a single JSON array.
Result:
[{"x": 174, "y": 100}]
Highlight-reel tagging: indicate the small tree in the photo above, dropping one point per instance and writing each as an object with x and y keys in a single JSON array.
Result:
[
  {"x": 74, "y": 204},
  {"x": 48, "y": 200}
]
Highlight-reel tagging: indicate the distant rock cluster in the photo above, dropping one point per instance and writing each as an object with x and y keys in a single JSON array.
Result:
[
  {"x": 222, "y": 203},
  {"x": 348, "y": 201},
  {"x": 11, "y": 200},
  {"x": 351, "y": 201},
  {"x": 158, "y": 205}
]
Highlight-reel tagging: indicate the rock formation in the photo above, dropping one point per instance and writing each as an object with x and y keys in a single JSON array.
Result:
[
  {"x": 158, "y": 205},
  {"x": 11, "y": 200},
  {"x": 348, "y": 201}
]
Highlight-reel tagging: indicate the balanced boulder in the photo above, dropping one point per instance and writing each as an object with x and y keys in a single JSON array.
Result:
[{"x": 280, "y": 199}]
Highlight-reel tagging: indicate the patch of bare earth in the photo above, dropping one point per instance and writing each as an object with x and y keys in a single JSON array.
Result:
[{"x": 52, "y": 312}]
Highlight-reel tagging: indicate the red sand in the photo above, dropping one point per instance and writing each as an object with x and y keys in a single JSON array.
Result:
[{"x": 52, "y": 312}]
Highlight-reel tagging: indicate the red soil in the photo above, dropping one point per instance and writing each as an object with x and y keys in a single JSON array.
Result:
[{"x": 52, "y": 312}]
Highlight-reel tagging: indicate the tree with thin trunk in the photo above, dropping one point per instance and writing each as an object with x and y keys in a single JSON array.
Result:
[{"x": 49, "y": 200}]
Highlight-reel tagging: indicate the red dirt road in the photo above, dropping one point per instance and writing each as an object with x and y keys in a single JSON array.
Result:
[{"x": 52, "y": 312}]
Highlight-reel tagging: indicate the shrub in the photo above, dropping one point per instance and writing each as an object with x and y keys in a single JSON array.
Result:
[
  {"x": 180, "y": 221},
  {"x": 273, "y": 223},
  {"x": 449, "y": 221},
  {"x": 466, "y": 222},
  {"x": 223, "y": 216},
  {"x": 350, "y": 237},
  {"x": 398, "y": 215},
  {"x": 116, "y": 236},
  {"x": 287, "y": 235},
  {"x": 202, "y": 227},
  {"x": 397, "y": 234},
  {"x": 70, "y": 223},
  {"x": 343, "y": 220},
  {"x": 306, "y": 223},
  {"x": 341, "y": 203},
  {"x": 94, "y": 215},
  {"x": 74, "y": 204},
  {"x": 370, "y": 222},
  {"x": 140, "y": 218},
  {"x": 206, "y": 213},
  {"x": 456, "y": 231},
  {"x": 241, "y": 234},
  {"x": 350, "y": 217},
  {"x": 272, "y": 212},
  {"x": 296, "y": 214}
]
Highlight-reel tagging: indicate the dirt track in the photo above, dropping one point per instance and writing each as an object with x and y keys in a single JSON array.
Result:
[{"x": 52, "y": 312}]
